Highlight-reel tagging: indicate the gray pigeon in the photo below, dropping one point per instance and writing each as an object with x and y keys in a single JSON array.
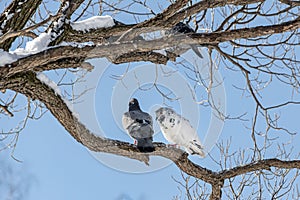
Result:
[
  {"x": 139, "y": 126},
  {"x": 182, "y": 28}
]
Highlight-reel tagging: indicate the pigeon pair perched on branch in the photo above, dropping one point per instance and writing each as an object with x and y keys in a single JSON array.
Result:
[{"x": 174, "y": 127}]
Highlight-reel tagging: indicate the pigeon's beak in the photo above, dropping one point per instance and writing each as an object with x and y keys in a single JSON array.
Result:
[{"x": 157, "y": 115}]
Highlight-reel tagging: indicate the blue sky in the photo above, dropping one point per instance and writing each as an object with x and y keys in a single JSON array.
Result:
[
  {"x": 63, "y": 169},
  {"x": 57, "y": 167},
  {"x": 60, "y": 168}
]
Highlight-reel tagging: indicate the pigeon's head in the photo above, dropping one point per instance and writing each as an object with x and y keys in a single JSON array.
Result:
[
  {"x": 161, "y": 114},
  {"x": 134, "y": 104},
  {"x": 164, "y": 111},
  {"x": 180, "y": 24},
  {"x": 181, "y": 27}
]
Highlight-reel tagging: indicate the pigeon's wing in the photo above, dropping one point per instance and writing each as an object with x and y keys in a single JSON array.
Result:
[
  {"x": 141, "y": 117},
  {"x": 138, "y": 124},
  {"x": 148, "y": 118},
  {"x": 186, "y": 130},
  {"x": 136, "y": 117},
  {"x": 127, "y": 121},
  {"x": 146, "y": 122},
  {"x": 190, "y": 138}
]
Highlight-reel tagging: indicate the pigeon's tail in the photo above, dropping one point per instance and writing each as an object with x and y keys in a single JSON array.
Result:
[
  {"x": 195, "y": 147},
  {"x": 145, "y": 144},
  {"x": 196, "y": 50}
]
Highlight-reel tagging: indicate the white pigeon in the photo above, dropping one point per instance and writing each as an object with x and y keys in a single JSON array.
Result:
[
  {"x": 139, "y": 126},
  {"x": 178, "y": 130}
]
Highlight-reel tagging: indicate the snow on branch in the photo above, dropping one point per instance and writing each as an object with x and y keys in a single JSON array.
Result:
[
  {"x": 44, "y": 79},
  {"x": 32, "y": 47},
  {"x": 93, "y": 23}
]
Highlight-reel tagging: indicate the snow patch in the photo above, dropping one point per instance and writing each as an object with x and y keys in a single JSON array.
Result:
[
  {"x": 42, "y": 41},
  {"x": 76, "y": 44},
  {"x": 8, "y": 16},
  {"x": 42, "y": 77},
  {"x": 35, "y": 46},
  {"x": 162, "y": 51},
  {"x": 93, "y": 23},
  {"x": 38, "y": 44},
  {"x": 7, "y": 57}
]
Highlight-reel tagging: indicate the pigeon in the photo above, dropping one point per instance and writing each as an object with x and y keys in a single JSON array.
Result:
[
  {"x": 182, "y": 28},
  {"x": 178, "y": 130},
  {"x": 139, "y": 126}
]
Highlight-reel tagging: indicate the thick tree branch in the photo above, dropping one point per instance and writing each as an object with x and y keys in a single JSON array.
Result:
[
  {"x": 29, "y": 85},
  {"x": 260, "y": 165},
  {"x": 216, "y": 191},
  {"x": 168, "y": 18},
  {"x": 97, "y": 36},
  {"x": 291, "y": 2},
  {"x": 141, "y": 56},
  {"x": 254, "y": 32},
  {"x": 115, "y": 50}
]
